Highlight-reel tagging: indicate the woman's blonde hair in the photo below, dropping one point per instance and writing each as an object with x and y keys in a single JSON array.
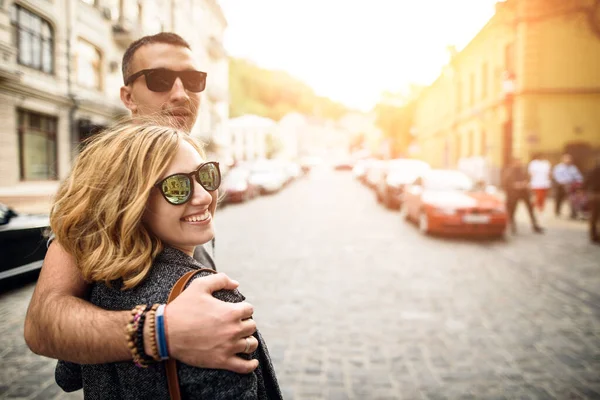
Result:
[{"x": 97, "y": 212}]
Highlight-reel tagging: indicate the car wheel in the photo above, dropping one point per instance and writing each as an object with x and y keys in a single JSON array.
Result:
[{"x": 424, "y": 222}]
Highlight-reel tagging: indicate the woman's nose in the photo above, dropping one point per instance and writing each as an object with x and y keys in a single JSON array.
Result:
[{"x": 201, "y": 196}]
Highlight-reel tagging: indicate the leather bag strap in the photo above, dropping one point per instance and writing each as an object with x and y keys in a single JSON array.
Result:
[{"x": 171, "y": 364}]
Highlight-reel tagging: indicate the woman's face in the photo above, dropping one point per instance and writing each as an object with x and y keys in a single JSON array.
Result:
[{"x": 182, "y": 226}]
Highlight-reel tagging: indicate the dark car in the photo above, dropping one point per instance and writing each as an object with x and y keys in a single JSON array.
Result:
[{"x": 22, "y": 242}]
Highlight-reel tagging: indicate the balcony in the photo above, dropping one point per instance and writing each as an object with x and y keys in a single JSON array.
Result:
[
  {"x": 215, "y": 49},
  {"x": 125, "y": 32}
]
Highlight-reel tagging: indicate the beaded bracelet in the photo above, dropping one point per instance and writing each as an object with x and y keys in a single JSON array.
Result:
[
  {"x": 152, "y": 333},
  {"x": 130, "y": 333},
  {"x": 139, "y": 337}
]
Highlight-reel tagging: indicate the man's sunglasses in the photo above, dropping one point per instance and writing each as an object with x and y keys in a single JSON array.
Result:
[
  {"x": 178, "y": 188},
  {"x": 162, "y": 80}
]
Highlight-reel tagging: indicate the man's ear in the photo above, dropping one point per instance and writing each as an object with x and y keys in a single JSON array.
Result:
[{"x": 127, "y": 99}]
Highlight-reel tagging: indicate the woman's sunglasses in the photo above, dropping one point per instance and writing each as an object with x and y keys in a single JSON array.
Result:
[
  {"x": 162, "y": 80},
  {"x": 178, "y": 188}
]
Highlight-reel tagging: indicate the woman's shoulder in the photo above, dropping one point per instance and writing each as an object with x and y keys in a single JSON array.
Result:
[{"x": 170, "y": 265}]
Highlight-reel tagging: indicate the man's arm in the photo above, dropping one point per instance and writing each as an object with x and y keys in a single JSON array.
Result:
[
  {"x": 202, "y": 330},
  {"x": 61, "y": 324}
]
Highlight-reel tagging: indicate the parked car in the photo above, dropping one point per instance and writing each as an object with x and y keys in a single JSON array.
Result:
[
  {"x": 267, "y": 176},
  {"x": 22, "y": 244},
  {"x": 448, "y": 201},
  {"x": 291, "y": 170},
  {"x": 375, "y": 170},
  {"x": 398, "y": 173},
  {"x": 343, "y": 164},
  {"x": 360, "y": 169},
  {"x": 237, "y": 187}
]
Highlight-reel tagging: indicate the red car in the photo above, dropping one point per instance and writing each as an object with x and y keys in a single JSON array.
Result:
[{"x": 448, "y": 201}]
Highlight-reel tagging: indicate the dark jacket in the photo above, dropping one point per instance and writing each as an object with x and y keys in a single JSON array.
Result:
[
  {"x": 592, "y": 180},
  {"x": 123, "y": 380},
  {"x": 512, "y": 175}
]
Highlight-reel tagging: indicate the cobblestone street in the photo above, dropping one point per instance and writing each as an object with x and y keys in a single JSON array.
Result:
[{"x": 355, "y": 303}]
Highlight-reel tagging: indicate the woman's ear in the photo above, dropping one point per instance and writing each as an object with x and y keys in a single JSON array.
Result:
[{"x": 127, "y": 99}]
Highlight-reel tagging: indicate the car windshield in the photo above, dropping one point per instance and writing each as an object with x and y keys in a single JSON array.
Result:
[{"x": 447, "y": 180}]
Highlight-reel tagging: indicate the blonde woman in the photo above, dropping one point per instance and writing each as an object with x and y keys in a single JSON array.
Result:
[{"x": 137, "y": 202}]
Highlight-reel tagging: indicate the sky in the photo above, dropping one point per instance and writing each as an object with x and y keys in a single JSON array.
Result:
[{"x": 353, "y": 50}]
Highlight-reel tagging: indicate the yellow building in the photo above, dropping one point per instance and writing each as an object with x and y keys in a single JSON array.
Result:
[{"x": 528, "y": 82}]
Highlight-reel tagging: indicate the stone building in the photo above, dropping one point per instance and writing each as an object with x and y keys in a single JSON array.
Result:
[
  {"x": 60, "y": 75},
  {"x": 528, "y": 82}
]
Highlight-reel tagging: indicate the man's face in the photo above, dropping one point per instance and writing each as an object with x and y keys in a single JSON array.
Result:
[
  {"x": 178, "y": 106},
  {"x": 567, "y": 159}
]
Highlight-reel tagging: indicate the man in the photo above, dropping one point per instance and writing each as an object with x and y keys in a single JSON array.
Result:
[
  {"x": 160, "y": 82},
  {"x": 516, "y": 185},
  {"x": 539, "y": 172},
  {"x": 565, "y": 174},
  {"x": 592, "y": 186}
]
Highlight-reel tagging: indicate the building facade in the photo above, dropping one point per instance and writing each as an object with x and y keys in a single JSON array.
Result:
[
  {"x": 61, "y": 72},
  {"x": 527, "y": 83},
  {"x": 247, "y": 140}
]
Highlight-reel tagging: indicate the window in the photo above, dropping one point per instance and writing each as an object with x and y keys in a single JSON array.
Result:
[
  {"x": 88, "y": 64},
  {"x": 471, "y": 144},
  {"x": 37, "y": 146},
  {"x": 90, "y": 2},
  {"x": 33, "y": 38},
  {"x": 509, "y": 57},
  {"x": 484, "y": 80},
  {"x": 457, "y": 147},
  {"x": 471, "y": 89},
  {"x": 459, "y": 96},
  {"x": 483, "y": 143}
]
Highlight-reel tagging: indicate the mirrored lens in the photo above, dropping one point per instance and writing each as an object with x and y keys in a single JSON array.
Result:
[
  {"x": 209, "y": 177},
  {"x": 177, "y": 189},
  {"x": 160, "y": 80}
]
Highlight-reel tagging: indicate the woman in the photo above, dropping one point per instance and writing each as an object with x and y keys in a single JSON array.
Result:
[{"x": 137, "y": 202}]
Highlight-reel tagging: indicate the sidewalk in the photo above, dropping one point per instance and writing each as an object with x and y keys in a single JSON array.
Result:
[{"x": 29, "y": 197}]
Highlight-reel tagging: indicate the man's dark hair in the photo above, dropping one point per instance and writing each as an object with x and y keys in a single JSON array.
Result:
[{"x": 162, "y": 37}]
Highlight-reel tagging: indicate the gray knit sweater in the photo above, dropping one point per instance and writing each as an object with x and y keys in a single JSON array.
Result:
[{"x": 123, "y": 380}]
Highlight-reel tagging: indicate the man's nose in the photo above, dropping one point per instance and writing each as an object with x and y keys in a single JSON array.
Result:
[{"x": 178, "y": 90}]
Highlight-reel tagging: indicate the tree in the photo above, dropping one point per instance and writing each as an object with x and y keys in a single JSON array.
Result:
[
  {"x": 273, "y": 94},
  {"x": 395, "y": 122}
]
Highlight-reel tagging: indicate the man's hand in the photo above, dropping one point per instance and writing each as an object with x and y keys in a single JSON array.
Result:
[{"x": 206, "y": 332}]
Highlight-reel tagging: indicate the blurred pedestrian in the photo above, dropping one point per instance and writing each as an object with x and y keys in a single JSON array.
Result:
[
  {"x": 592, "y": 186},
  {"x": 565, "y": 174},
  {"x": 516, "y": 185},
  {"x": 138, "y": 201},
  {"x": 539, "y": 172},
  {"x": 161, "y": 80}
]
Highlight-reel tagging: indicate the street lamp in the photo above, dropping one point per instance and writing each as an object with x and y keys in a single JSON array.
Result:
[{"x": 508, "y": 90}]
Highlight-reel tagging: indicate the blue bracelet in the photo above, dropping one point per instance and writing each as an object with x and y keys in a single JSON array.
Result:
[{"x": 161, "y": 337}]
